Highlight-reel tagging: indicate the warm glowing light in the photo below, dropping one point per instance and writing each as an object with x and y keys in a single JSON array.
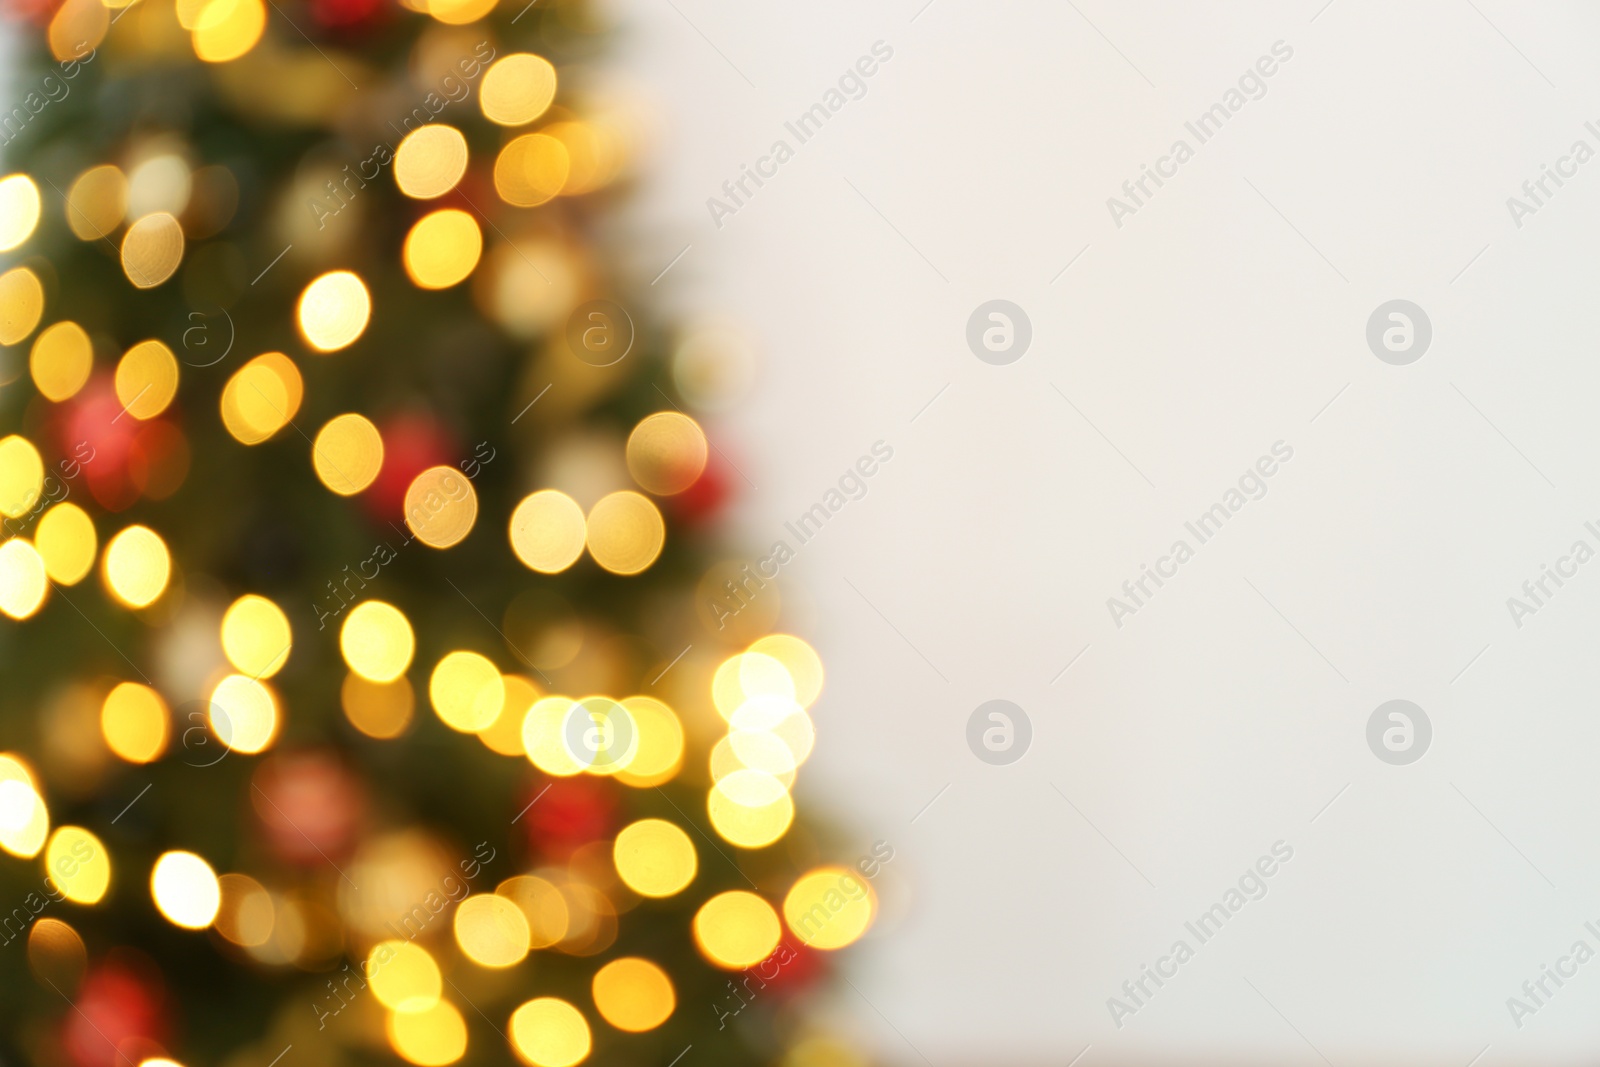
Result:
[
  {"x": 504, "y": 735},
  {"x": 432, "y": 1037},
  {"x": 77, "y": 29},
  {"x": 430, "y": 161},
  {"x": 60, "y": 361},
  {"x": 750, "y": 676},
  {"x": 467, "y": 691},
  {"x": 548, "y": 531},
  {"x": 660, "y": 752},
  {"x": 633, "y": 994},
  {"x": 542, "y": 905},
  {"x": 21, "y": 304},
  {"x": 378, "y": 709},
  {"x": 78, "y": 865},
  {"x": 333, "y": 310},
  {"x": 21, "y": 476},
  {"x": 549, "y": 1032},
  {"x": 543, "y": 737},
  {"x": 255, "y": 636},
  {"x": 377, "y": 641},
  {"x": 403, "y": 976},
  {"x": 458, "y": 12},
  {"x": 246, "y": 914},
  {"x": 666, "y": 453},
  {"x": 736, "y": 929},
  {"x": 160, "y": 182},
  {"x": 261, "y": 397},
  {"x": 830, "y": 907},
  {"x": 227, "y": 29},
  {"x": 136, "y": 566},
  {"x": 24, "y": 819},
  {"x": 600, "y": 735},
  {"x": 517, "y": 89},
  {"x": 625, "y": 532},
  {"x": 19, "y": 210},
  {"x": 56, "y": 954},
  {"x": 243, "y": 714},
  {"x": 750, "y": 808},
  {"x": 97, "y": 202},
  {"x": 65, "y": 540},
  {"x": 147, "y": 379},
  {"x": 800, "y": 660},
  {"x": 23, "y": 579},
  {"x": 185, "y": 890},
  {"x": 442, "y": 249},
  {"x": 347, "y": 454},
  {"x": 152, "y": 249},
  {"x": 491, "y": 930},
  {"x": 654, "y": 858},
  {"x": 531, "y": 170},
  {"x": 134, "y": 721},
  {"x": 441, "y": 506}
]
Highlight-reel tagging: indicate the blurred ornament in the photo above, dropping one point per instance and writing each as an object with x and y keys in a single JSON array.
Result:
[
  {"x": 704, "y": 499},
  {"x": 352, "y": 18},
  {"x": 120, "y": 1013},
  {"x": 563, "y": 814},
  {"x": 99, "y": 441},
  {"x": 310, "y": 805},
  {"x": 412, "y": 443}
]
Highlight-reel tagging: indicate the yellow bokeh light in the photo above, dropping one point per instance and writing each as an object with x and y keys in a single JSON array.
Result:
[
  {"x": 542, "y": 737},
  {"x": 542, "y": 906},
  {"x": 458, "y": 12},
  {"x": 77, "y": 864},
  {"x": 800, "y": 660},
  {"x": 136, "y": 566},
  {"x": 594, "y": 152},
  {"x": 666, "y": 453},
  {"x": 531, "y": 170},
  {"x": 633, "y": 994},
  {"x": 430, "y": 161},
  {"x": 60, "y": 361},
  {"x": 21, "y": 304},
  {"x": 21, "y": 476},
  {"x": 432, "y": 1037},
  {"x": 441, "y": 506},
  {"x": 243, "y": 714},
  {"x": 376, "y": 641},
  {"x": 347, "y": 454},
  {"x": 147, "y": 379},
  {"x": 24, "y": 819},
  {"x": 750, "y": 676},
  {"x": 77, "y": 28},
  {"x": 830, "y": 907},
  {"x": 66, "y": 542},
  {"x": 736, "y": 929},
  {"x": 549, "y": 1032},
  {"x": 227, "y": 29},
  {"x": 333, "y": 310},
  {"x": 255, "y": 636},
  {"x": 504, "y": 735},
  {"x": 467, "y": 691},
  {"x": 97, "y": 202},
  {"x": 185, "y": 890},
  {"x": 725, "y": 761},
  {"x": 654, "y": 858},
  {"x": 600, "y": 735},
  {"x": 517, "y": 89},
  {"x": 19, "y": 210},
  {"x": 442, "y": 249},
  {"x": 246, "y": 914},
  {"x": 261, "y": 397},
  {"x": 378, "y": 709},
  {"x": 135, "y": 721},
  {"x": 660, "y": 752},
  {"x": 548, "y": 531},
  {"x": 23, "y": 578},
  {"x": 403, "y": 976},
  {"x": 750, "y": 808},
  {"x": 491, "y": 930},
  {"x": 152, "y": 249},
  {"x": 625, "y": 532}
]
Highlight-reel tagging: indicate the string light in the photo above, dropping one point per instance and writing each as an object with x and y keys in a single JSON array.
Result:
[{"x": 185, "y": 890}]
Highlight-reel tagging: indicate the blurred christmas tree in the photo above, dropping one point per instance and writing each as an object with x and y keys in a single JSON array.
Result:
[{"x": 336, "y": 482}]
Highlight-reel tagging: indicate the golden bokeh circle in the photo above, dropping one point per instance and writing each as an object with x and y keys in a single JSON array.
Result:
[
  {"x": 548, "y": 531},
  {"x": 66, "y": 541},
  {"x": 376, "y": 641},
  {"x": 549, "y": 1032},
  {"x": 185, "y": 890},
  {"x": 432, "y": 1037},
  {"x": 21, "y": 304},
  {"x": 531, "y": 170},
  {"x": 441, "y": 506},
  {"x": 467, "y": 691},
  {"x": 442, "y": 249},
  {"x": 97, "y": 202},
  {"x": 243, "y": 714},
  {"x": 146, "y": 379},
  {"x": 666, "y": 453},
  {"x": 625, "y": 532},
  {"x": 654, "y": 858},
  {"x": 19, "y": 210},
  {"x": 60, "y": 361},
  {"x": 136, "y": 566},
  {"x": 633, "y": 994},
  {"x": 491, "y": 930},
  {"x": 134, "y": 721},
  {"x": 517, "y": 89},
  {"x": 152, "y": 249},
  {"x": 736, "y": 929},
  {"x": 403, "y": 976},
  {"x": 256, "y": 636},
  {"x": 226, "y": 29},
  {"x": 21, "y": 476},
  {"x": 378, "y": 709},
  {"x": 830, "y": 907},
  {"x": 347, "y": 454},
  {"x": 23, "y": 579},
  {"x": 430, "y": 161},
  {"x": 333, "y": 310},
  {"x": 78, "y": 864},
  {"x": 261, "y": 397}
]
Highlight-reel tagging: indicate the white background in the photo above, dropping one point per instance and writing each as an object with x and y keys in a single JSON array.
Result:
[{"x": 1220, "y": 319}]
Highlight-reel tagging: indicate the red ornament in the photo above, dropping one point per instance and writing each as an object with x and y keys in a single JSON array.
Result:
[
  {"x": 701, "y": 501},
  {"x": 120, "y": 1013},
  {"x": 411, "y": 444},
  {"x": 310, "y": 806},
  {"x": 349, "y": 17},
  {"x": 791, "y": 968},
  {"x": 564, "y": 814},
  {"x": 96, "y": 437}
]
